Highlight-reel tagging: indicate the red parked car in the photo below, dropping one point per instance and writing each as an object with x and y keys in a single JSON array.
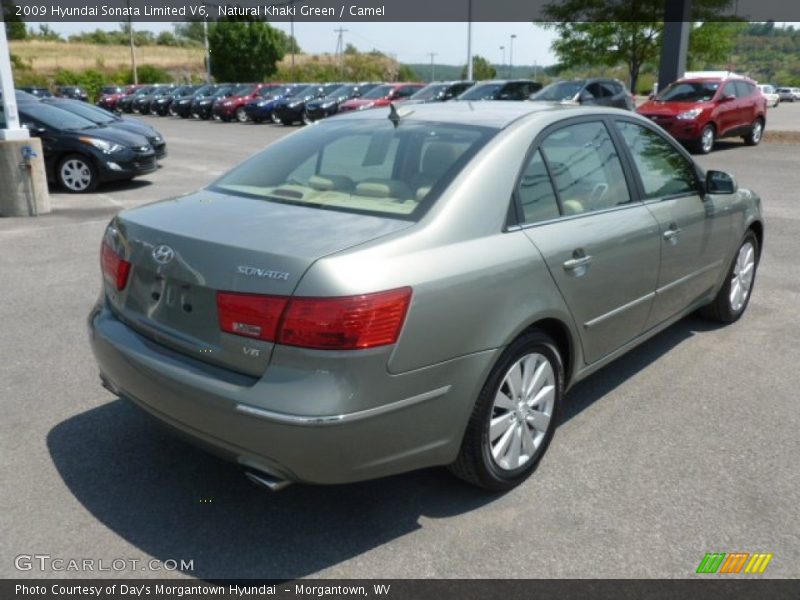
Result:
[
  {"x": 382, "y": 95},
  {"x": 110, "y": 95},
  {"x": 232, "y": 107},
  {"x": 700, "y": 110}
]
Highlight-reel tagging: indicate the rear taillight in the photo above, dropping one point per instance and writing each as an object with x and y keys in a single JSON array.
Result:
[
  {"x": 348, "y": 323},
  {"x": 250, "y": 315},
  {"x": 115, "y": 269}
]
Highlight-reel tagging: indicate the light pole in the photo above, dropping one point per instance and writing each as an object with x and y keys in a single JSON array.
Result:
[
  {"x": 511, "y": 53},
  {"x": 503, "y": 63},
  {"x": 133, "y": 50},
  {"x": 469, "y": 40},
  {"x": 207, "y": 50},
  {"x": 433, "y": 67}
]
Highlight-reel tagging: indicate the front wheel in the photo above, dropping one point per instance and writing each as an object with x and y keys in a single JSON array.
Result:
[
  {"x": 756, "y": 133},
  {"x": 76, "y": 174},
  {"x": 705, "y": 142},
  {"x": 241, "y": 115},
  {"x": 275, "y": 118},
  {"x": 734, "y": 295},
  {"x": 307, "y": 120},
  {"x": 515, "y": 415}
]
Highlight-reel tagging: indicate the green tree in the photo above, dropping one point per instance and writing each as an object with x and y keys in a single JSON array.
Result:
[
  {"x": 15, "y": 27},
  {"x": 191, "y": 31},
  {"x": 288, "y": 42},
  {"x": 349, "y": 50},
  {"x": 712, "y": 43},
  {"x": 615, "y": 32},
  {"x": 481, "y": 69},
  {"x": 244, "y": 50}
]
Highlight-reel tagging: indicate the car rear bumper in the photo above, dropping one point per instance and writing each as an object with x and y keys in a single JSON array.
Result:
[{"x": 419, "y": 424}]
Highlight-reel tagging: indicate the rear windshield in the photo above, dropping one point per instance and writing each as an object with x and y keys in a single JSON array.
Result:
[
  {"x": 367, "y": 166},
  {"x": 487, "y": 91},
  {"x": 559, "y": 91},
  {"x": 689, "y": 91}
]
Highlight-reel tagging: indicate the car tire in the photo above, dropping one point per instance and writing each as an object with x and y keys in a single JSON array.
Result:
[
  {"x": 506, "y": 437},
  {"x": 241, "y": 115},
  {"x": 275, "y": 118},
  {"x": 705, "y": 143},
  {"x": 756, "y": 133},
  {"x": 76, "y": 174},
  {"x": 306, "y": 119},
  {"x": 729, "y": 304}
]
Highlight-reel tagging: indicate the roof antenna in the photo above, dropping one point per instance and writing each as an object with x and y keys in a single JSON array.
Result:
[{"x": 393, "y": 116}]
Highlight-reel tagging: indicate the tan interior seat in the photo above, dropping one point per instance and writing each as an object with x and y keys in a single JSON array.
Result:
[{"x": 437, "y": 158}]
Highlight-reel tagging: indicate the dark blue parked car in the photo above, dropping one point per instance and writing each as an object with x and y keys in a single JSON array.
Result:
[
  {"x": 292, "y": 109},
  {"x": 262, "y": 109},
  {"x": 329, "y": 105}
]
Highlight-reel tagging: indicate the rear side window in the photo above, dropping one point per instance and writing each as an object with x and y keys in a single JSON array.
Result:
[
  {"x": 367, "y": 166},
  {"x": 744, "y": 89},
  {"x": 586, "y": 168},
  {"x": 663, "y": 170},
  {"x": 536, "y": 194}
]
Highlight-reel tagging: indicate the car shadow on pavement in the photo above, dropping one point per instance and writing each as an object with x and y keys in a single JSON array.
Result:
[
  {"x": 604, "y": 381},
  {"x": 174, "y": 501}
]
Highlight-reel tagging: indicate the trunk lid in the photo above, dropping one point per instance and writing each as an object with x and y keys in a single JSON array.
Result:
[{"x": 186, "y": 249}]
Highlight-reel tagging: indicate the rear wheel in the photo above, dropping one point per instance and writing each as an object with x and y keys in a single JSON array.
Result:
[
  {"x": 756, "y": 133},
  {"x": 76, "y": 174},
  {"x": 734, "y": 295},
  {"x": 515, "y": 415},
  {"x": 705, "y": 143}
]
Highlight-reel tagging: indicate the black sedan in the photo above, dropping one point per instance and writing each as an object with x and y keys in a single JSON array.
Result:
[
  {"x": 103, "y": 117},
  {"x": 79, "y": 154},
  {"x": 144, "y": 103},
  {"x": 440, "y": 91},
  {"x": 162, "y": 104},
  {"x": 292, "y": 110},
  {"x": 202, "y": 106},
  {"x": 181, "y": 106},
  {"x": 329, "y": 105},
  {"x": 126, "y": 103},
  {"x": 74, "y": 92}
]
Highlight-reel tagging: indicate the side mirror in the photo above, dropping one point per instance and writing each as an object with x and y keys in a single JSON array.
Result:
[
  {"x": 727, "y": 98},
  {"x": 719, "y": 182}
]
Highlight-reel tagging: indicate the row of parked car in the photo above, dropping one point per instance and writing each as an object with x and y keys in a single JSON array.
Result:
[{"x": 85, "y": 145}]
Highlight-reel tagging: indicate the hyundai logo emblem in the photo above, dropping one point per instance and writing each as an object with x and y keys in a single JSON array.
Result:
[{"x": 163, "y": 254}]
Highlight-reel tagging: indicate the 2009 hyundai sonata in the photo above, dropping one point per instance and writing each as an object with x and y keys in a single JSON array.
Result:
[{"x": 386, "y": 290}]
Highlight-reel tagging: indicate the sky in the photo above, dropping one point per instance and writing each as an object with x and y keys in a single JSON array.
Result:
[{"x": 408, "y": 42}]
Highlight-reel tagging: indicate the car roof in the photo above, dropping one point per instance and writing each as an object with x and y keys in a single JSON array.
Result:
[{"x": 484, "y": 113}]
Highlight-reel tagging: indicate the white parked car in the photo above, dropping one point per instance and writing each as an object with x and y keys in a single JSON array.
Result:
[
  {"x": 789, "y": 94},
  {"x": 772, "y": 96}
]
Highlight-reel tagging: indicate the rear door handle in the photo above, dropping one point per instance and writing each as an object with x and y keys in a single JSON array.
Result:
[{"x": 575, "y": 263}]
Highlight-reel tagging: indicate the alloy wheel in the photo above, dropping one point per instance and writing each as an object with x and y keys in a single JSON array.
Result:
[
  {"x": 521, "y": 412},
  {"x": 742, "y": 277},
  {"x": 707, "y": 140},
  {"x": 758, "y": 130}
]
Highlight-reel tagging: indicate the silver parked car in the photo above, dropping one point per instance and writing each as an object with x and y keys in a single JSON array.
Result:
[{"x": 386, "y": 291}]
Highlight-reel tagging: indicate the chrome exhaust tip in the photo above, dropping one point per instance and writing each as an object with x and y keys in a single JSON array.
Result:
[{"x": 268, "y": 481}]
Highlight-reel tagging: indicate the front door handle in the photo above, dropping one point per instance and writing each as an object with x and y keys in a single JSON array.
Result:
[
  {"x": 576, "y": 263},
  {"x": 672, "y": 233}
]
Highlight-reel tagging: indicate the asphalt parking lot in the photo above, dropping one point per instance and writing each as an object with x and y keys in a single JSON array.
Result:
[{"x": 687, "y": 445}]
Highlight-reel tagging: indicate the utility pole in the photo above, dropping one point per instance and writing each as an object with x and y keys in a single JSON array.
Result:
[
  {"x": 511, "y": 54},
  {"x": 469, "y": 40},
  {"x": 291, "y": 34},
  {"x": 133, "y": 49},
  {"x": 433, "y": 67},
  {"x": 503, "y": 61},
  {"x": 340, "y": 50},
  {"x": 207, "y": 50}
]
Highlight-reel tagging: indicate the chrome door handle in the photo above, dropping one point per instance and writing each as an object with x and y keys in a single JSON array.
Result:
[
  {"x": 575, "y": 263},
  {"x": 670, "y": 234}
]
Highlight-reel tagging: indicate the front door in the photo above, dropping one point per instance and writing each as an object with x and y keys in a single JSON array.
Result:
[{"x": 694, "y": 229}]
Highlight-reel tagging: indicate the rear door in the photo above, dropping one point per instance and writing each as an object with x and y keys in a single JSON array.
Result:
[
  {"x": 600, "y": 243},
  {"x": 694, "y": 230}
]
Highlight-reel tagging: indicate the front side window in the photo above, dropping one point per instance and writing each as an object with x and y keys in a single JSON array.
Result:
[
  {"x": 663, "y": 170},
  {"x": 586, "y": 168},
  {"x": 367, "y": 166}
]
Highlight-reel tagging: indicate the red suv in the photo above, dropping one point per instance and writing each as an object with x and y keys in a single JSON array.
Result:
[
  {"x": 700, "y": 110},
  {"x": 230, "y": 107},
  {"x": 382, "y": 95}
]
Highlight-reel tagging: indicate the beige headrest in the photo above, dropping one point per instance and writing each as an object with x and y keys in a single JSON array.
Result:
[
  {"x": 572, "y": 207},
  {"x": 325, "y": 183},
  {"x": 438, "y": 157},
  {"x": 388, "y": 188}
]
